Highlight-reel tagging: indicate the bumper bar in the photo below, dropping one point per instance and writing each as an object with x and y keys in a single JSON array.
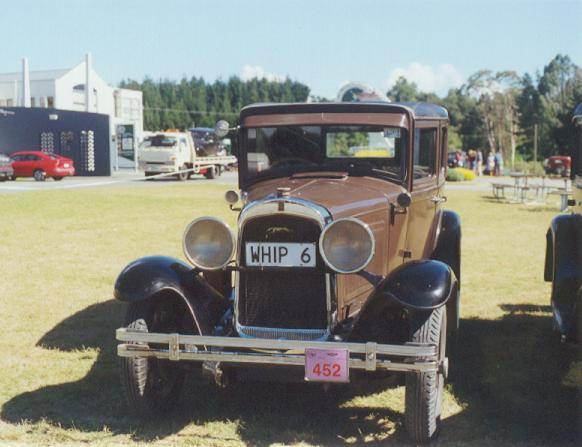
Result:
[{"x": 365, "y": 356}]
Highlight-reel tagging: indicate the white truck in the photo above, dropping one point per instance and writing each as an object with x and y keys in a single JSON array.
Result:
[{"x": 169, "y": 151}]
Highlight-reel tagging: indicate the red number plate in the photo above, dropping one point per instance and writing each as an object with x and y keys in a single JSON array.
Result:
[{"x": 326, "y": 365}]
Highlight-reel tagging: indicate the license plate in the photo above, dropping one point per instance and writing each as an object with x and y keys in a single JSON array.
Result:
[
  {"x": 326, "y": 365},
  {"x": 276, "y": 254}
]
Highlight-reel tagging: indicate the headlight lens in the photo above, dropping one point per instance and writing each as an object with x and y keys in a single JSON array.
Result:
[
  {"x": 208, "y": 243},
  {"x": 347, "y": 245}
]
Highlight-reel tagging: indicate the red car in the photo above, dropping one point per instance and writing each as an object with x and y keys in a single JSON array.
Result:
[
  {"x": 40, "y": 165},
  {"x": 558, "y": 164}
]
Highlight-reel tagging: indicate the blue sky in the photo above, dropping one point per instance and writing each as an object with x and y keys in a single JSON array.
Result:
[{"x": 322, "y": 43}]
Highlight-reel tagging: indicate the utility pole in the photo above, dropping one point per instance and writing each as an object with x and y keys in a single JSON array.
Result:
[{"x": 535, "y": 143}]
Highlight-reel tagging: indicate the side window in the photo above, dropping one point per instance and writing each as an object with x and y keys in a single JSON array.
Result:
[
  {"x": 424, "y": 153},
  {"x": 444, "y": 148}
]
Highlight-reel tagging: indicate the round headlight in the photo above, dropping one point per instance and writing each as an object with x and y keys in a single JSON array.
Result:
[
  {"x": 208, "y": 243},
  {"x": 347, "y": 245}
]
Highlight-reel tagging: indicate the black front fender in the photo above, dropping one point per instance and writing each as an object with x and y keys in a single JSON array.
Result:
[
  {"x": 416, "y": 285},
  {"x": 150, "y": 277}
]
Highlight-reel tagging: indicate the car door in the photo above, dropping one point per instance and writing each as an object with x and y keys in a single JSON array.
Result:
[
  {"x": 19, "y": 165},
  {"x": 425, "y": 198}
]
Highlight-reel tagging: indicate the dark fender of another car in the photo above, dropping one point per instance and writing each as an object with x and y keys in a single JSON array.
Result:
[
  {"x": 448, "y": 250},
  {"x": 417, "y": 285},
  {"x": 157, "y": 276},
  {"x": 563, "y": 267}
]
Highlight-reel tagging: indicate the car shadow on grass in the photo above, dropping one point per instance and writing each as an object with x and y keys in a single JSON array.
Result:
[{"x": 507, "y": 374}]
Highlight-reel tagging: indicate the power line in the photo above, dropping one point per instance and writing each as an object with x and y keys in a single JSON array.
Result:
[{"x": 203, "y": 112}]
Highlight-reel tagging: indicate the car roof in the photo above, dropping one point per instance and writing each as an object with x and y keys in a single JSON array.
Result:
[
  {"x": 28, "y": 152},
  {"x": 416, "y": 109},
  {"x": 203, "y": 129}
]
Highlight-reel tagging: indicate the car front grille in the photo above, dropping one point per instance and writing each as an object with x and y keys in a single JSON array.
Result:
[{"x": 282, "y": 299}]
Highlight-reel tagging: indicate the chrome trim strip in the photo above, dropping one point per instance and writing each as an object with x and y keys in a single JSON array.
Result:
[{"x": 284, "y": 333}]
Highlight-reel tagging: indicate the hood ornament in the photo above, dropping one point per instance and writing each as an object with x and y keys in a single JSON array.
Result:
[{"x": 283, "y": 191}]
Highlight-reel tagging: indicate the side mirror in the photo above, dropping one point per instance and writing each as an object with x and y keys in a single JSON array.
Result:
[
  {"x": 404, "y": 199},
  {"x": 221, "y": 128}
]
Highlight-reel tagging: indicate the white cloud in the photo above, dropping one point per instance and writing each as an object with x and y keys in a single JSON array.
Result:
[
  {"x": 428, "y": 79},
  {"x": 256, "y": 71}
]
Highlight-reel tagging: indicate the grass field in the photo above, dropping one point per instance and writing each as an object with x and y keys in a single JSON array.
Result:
[{"x": 60, "y": 252}]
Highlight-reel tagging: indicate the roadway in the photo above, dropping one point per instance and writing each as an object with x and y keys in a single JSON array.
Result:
[{"x": 119, "y": 179}]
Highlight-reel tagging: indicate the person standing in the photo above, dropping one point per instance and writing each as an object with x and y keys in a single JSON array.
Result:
[
  {"x": 479, "y": 162},
  {"x": 490, "y": 163},
  {"x": 498, "y": 163}
]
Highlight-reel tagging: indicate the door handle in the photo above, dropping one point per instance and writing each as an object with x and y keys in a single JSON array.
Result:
[{"x": 437, "y": 199}]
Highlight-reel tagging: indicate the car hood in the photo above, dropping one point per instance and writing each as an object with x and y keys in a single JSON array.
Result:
[{"x": 340, "y": 194}]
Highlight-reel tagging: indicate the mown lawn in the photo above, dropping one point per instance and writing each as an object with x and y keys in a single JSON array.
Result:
[{"x": 60, "y": 252}]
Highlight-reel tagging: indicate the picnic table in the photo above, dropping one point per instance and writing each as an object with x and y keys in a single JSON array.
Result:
[
  {"x": 564, "y": 194},
  {"x": 499, "y": 189}
]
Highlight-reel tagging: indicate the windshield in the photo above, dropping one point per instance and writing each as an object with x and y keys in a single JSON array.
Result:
[
  {"x": 356, "y": 149},
  {"x": 159, "y": 141}
]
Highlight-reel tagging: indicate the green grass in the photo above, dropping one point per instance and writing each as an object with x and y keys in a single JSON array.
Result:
[{"x": 512, "y": 382}]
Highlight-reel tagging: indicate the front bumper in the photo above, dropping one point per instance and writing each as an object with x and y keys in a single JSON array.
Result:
[
  {"x": 155, "y": 167},
  {"x": 409, "y": 357}
]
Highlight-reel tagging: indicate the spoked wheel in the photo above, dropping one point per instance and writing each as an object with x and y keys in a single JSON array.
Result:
[
  {"x": 39, "y": 175},
  {"x": 153, "y": 385},
  {"x": 424, "y": 391}
]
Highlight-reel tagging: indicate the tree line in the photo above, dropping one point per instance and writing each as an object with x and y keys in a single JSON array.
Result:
[
  {"x": 502, "y": 111},
  {"x": 195, "y": 103},
  {"x": 493, "y": 111}
]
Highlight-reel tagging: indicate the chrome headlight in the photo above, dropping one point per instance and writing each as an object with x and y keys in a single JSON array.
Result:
[
  {"x": 347, "y": 245},
  {"x": 208, "y": 243}
]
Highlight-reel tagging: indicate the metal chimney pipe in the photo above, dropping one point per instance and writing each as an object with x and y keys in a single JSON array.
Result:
[
  {"x": 88, "y": 84},
  {"x": 25, "y": 83}
]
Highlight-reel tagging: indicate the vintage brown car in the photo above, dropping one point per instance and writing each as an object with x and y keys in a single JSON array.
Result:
[{"x": 344, "y": 263}]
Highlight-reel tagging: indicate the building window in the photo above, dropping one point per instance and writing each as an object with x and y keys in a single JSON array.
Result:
[
  {"x": 9, "y": 103},
  {"x": 32, "y": 101},
  {"x": 67, "y": 139},
  {"x": 87, "y": 141},
  {"x": 2, "y": 103},
  {"x": 47, "y": 142},
  {"x": 50, "y": 102}
]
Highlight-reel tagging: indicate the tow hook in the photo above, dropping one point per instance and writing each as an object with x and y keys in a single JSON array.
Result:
[{"x": 444, "y": 367}]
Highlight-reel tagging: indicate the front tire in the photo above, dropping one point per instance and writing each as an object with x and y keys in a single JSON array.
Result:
[
  {"x": 152, "y": 386},
  {"x": 424, "y": 391},
  {"x": 57, "y": 179},
  {"x": 183, "y": 176}
]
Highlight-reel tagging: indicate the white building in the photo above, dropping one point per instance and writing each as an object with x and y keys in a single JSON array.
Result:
[{"x": 67, "y": 90}]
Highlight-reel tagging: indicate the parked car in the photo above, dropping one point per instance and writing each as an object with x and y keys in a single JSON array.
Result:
[
  {"x": 558, "y": 164},
  {"x": 6, "y": 170},
  {"x": 345, "y": 264},
  {"x": 564, "y": 252},
  {"x": 39, "y": 165}
]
